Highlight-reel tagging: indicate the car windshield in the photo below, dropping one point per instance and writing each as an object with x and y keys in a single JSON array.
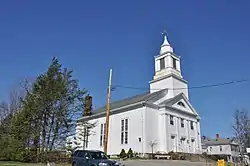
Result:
[{"x": 98, "y": 155}]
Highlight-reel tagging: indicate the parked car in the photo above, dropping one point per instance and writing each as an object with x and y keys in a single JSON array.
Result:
[{"x": 92, "y": 158}]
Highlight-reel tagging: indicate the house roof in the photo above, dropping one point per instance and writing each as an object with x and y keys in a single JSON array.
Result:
[
  {"x": 130, "y": 100},
  {"x": 218, "y": 141}
]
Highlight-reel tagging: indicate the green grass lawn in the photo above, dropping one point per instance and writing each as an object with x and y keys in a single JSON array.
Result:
[{"x": 11, "y": 163}]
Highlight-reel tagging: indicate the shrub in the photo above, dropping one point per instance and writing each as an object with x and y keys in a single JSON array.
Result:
[
  {"x": 130, "y": 153},
  {"x": 123, "y": 154},
  {"x": 174, "y": 156}
]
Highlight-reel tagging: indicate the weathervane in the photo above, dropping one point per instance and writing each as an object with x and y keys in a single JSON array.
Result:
[{"x": 164, "y": 33}]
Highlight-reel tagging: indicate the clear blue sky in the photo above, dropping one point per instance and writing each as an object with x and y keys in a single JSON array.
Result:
[{"x": 212, "y": 37}]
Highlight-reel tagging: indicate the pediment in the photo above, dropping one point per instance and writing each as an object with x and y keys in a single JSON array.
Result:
[{"x": 181, "y": 103}]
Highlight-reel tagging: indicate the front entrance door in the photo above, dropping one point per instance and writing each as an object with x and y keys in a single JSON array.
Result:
[
  {"x": 192, "y": 145},
  {"x": 173, "y": 143}
]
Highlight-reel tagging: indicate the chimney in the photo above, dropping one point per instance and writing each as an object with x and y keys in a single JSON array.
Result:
[
  {"x": 87, "y": 106},
  {"x": 217, "y": 136}
]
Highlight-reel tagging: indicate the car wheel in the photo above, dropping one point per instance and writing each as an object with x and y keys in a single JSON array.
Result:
[{"x": 74, "y": 164}]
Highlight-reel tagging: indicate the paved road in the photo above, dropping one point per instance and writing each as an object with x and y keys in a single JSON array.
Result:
[{"x": 161, "y": 163}]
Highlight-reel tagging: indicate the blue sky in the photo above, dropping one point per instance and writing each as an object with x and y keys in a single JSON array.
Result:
[{"x": 212, "y": 38}]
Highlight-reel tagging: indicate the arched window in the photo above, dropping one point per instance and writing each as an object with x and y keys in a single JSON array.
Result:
[{"x": 181, "y": 104}]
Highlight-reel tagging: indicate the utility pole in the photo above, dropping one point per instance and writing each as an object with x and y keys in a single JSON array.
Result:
[{"x": 107, "y": 114}]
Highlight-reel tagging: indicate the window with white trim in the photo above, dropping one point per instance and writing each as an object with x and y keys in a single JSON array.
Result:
[
  {"x": 221, "y": 148},
  {"x": 102, "y": 134},
  {"x": 124, "y": 131},
  {"x": 182, "y": 123},
  {"x": 85, "y": 137},
  {"x": 171, "y": 120},
  {"x": 191, "y": 125}
]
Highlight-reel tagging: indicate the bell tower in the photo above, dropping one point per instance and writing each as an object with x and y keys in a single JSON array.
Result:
[{"x": 168, "y": 71}]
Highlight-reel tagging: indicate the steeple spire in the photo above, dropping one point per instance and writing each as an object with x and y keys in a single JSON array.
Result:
[
  {"x": 165, "y": 47},
  {"x": 165, "y": 41}
]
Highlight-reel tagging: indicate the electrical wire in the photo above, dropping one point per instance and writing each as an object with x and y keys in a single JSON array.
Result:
[{"x": 194, "y": 87}]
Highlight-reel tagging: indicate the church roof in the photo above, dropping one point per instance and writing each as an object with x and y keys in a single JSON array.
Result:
[
  {"x": 141, "y": 99},
  {"x": 127, "y": 101}
]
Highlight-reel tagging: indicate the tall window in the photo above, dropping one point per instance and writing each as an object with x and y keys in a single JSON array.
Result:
[
  {"x": 221, "y": 148},
  {"x": 191, "y": 125},
  {"x": 174, "y": 63},
  {"x": 162, "y": 63},
  {"x": 171, "y": 120},
  {"x": 182, "y": 123},
  {"x": 85, "y": 137},
  {"x": 102, "y": 134},
  {"x": 124, "y": 131}
]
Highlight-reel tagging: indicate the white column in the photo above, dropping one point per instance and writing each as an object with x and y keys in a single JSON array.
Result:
[
  {"x": 198, "y": 136},
  {"x": 157, "y": 65},
  {"x": 188, "y": 137},
  {"x": 169, "y": 61},
  {"x": 144, "y": 138},
  {"x": 195, "y": 137},
  {"x": 165, "y": 133},
  {"x": 178, "y": 133},
  {"x": 166, "y": 61},
  {"x": 162, "y": 132},
  {"x": 178, "y": 65}
]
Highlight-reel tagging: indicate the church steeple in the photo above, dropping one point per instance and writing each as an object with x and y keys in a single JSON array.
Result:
[
  {"x": 167, "y": 62},
  {"x": 168, "y": 70}
]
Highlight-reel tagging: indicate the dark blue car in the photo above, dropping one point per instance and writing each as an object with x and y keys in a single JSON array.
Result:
[{"x": 92, "y": 158}]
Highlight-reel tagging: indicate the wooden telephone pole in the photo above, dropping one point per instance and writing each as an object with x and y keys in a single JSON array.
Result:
[{"x": 108, "y": 113}]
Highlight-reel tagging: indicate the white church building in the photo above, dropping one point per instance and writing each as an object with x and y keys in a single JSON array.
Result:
[{"x": 163, "y": 116}]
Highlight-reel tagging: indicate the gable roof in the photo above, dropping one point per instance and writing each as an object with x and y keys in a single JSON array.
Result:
[
  {"x": 130, "y": 100},
  {"x": 177, "y": 98},
  {"x": 218, "y": 141}
]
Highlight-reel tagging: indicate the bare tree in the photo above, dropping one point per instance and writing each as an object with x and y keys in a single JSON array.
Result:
[
  {"x": 152, "y": 144},
  {"x": 241, "y": 127},
  {"x": 12, "y": 105},
  {"x": 80, "y": 139},
  {"x": 25, "y": 86},
  {"x": 4, "y": 111}
]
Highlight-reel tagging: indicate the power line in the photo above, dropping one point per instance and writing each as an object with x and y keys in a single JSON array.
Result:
[{"x": 194, "y": 87}]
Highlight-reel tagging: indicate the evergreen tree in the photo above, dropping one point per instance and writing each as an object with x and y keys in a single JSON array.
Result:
[
  {"x": 46, "y": 116},
  {"x": 123, "y": 154},
  {"x": 130, "y": 153}
]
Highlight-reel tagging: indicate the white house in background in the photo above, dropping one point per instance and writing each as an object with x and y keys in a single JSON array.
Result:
[
  {"x": 221, "y": 146},
  {"x": 163, "y": 115}
]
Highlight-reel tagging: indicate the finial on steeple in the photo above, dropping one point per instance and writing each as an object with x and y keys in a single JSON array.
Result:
[
  {"x": 164, "y": 33},
  {"x": 165, "y": 47},
  {"x": 165, "y": 42}
]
